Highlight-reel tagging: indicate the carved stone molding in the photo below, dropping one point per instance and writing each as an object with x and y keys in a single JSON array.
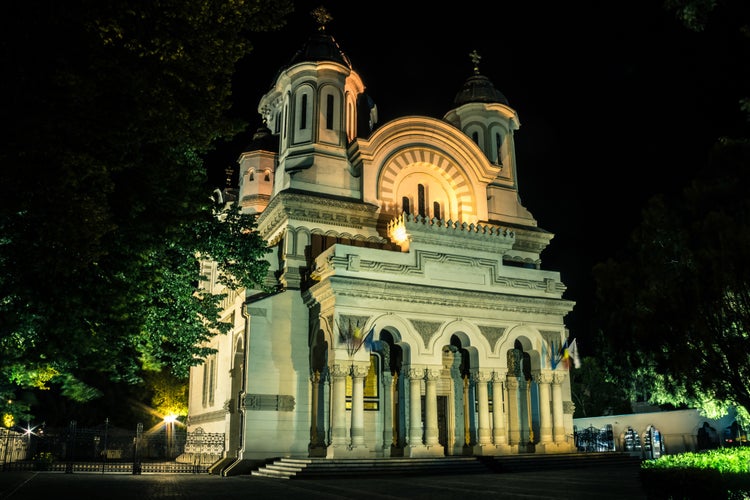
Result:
[
  {"x": 492, "y": 334},
  {"x": 269, "y": 402}
]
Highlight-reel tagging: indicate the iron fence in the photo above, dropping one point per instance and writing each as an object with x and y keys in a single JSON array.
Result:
[
  {"x": 105, "y": 448},
  {"x": 592, "y": 439}
]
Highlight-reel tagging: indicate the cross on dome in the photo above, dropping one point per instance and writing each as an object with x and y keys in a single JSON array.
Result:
[{"x": 322, "y": 17}]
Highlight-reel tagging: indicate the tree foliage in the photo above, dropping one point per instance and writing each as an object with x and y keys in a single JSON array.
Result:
[
  {"x": 594, "y": 394},
  {"x": 675, "y": 310},
  {"x": 112, "y": 104}
]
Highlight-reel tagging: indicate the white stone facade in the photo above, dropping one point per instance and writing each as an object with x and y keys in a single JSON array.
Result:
[{"x": 414, "y": 233}]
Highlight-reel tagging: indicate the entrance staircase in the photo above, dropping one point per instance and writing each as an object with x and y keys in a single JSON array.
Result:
[{"x": 318, "y": 468}]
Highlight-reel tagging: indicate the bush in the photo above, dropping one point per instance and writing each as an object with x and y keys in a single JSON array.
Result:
[
  {"x": 43, "y": 460},
  {"x": 722, "y": 473}
]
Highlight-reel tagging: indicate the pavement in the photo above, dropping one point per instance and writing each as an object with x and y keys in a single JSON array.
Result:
[{"x": 612, "y": 483}]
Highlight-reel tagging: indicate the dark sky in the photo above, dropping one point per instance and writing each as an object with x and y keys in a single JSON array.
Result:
[{"x": 617, "y": 101}]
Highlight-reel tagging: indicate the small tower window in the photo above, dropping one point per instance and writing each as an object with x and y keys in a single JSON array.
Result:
[
  {"x": 251, "y": 177},
  {"x": 303, "y": 113},
  {"x": 475, "y": 137},
  {"x": 286, "y": 111},
  {"x": 267, "y": 176},
  {"x": 329, "y": 112},
  {"x": 436, "y": 210},
  {"x": 499, "y": 148}
]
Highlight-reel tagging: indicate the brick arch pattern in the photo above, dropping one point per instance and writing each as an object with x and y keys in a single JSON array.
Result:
[{"x": 444, "y": 169}]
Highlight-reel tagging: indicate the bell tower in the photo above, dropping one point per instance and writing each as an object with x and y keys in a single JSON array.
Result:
[
  {"x": 312, "y": 107},
  {"x": 484, "y": 114}
]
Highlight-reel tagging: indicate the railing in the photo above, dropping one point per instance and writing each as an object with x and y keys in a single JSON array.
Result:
[{"x": 591, "y": 439}]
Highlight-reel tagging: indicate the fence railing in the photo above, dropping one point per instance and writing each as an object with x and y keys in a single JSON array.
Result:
[{"x": 106, "y": 448}]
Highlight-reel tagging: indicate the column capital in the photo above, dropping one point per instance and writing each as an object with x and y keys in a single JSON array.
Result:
[
  {"x": 511, "y": 382},
  {"x": 480, "y": 376},
  {"x": 432, "y": 374},
  {"x": 360, "y": 371},
  {"x": 315, "y": 377},
  {"x": 339, "y": 371},
  {"x": 415, "y": 372},
  {"x": 543, "y": 377},
  {"x": 559, "y": 377}
]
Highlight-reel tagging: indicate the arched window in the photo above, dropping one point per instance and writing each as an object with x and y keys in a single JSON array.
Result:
[
  {"x": 436, "y": 210},
  {"x": 405, "y": 205},
  {"x": 251, "y": 176},
  {"x": 475, "y": 137},
  {"x": 267, "y": 176},
  {"x": 421, "y": 200}
]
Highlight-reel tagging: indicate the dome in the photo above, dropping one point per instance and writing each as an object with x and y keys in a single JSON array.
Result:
[
  {"x": 263, "y": 140},
  {"x": 320, "y": 47},
  {"x": 479, "y": 88}
]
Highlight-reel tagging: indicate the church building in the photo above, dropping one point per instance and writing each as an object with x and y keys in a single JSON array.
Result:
[{"x": 410, "y": 314}]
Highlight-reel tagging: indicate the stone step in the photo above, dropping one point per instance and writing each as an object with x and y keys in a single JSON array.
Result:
[{"x": 311, "y": 468}]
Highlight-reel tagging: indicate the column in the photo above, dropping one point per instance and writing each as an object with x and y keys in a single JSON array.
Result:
[
  {"x": 415, "y": 406},
  {"x": 483, "y": 402},
  {"x": 315, "y": 409},
  {"x": 430, "y": 402},
  {"x": 514, "y": 424},
  {"x": 499, "y": 430},
  {"x": 558, "y": 424},
  {"x": 359, "y": 372},
  {"x": 543, "y": 380},
  {"x": 388, "y": 424},
  {"x": 338, "y": 405}
]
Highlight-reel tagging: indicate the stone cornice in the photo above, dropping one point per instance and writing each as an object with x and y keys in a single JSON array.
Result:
[
  {"x": 452, "y": 298},
  {"x": 293, "y": 205}
]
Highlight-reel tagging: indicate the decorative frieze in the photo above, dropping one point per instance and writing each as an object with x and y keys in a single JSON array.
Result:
[{"x": 269, "y": 402}]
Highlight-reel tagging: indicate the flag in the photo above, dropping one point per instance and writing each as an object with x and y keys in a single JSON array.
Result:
[
  {"x": 573, "y": 354},
  {"x": 369, "y": 341},
  {"x": 565, "y": 355}
]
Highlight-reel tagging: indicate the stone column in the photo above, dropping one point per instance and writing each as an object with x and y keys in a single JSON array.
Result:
[
  {"x": 499, "y": 429},
  {"x": 514, "y": 422},
  {"x": 484, "y": 437},
  {"x": 338, "y": 405},
  {"x": 430, "y": 402},
  {"x": 415, "y": 406},
  {"x": 558, "y": 424},
  {"x": 315, "y": 436},
  {"x": 543, "y": 380},
  {"x": 387, "y": 380},
  {"x": 359, "y": 372}
]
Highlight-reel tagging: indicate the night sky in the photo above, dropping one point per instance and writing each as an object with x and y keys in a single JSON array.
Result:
[{"x": 617, "y": 102}]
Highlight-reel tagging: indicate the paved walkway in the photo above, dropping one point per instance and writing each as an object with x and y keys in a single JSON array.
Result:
[{"x": 579, "y": 484}]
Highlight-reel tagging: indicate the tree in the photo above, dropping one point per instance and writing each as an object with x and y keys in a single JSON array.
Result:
[
  {"x": 594, "y": 394},
  {"x": 112, "y": 104},
  {"x": 675, "y": 310}
]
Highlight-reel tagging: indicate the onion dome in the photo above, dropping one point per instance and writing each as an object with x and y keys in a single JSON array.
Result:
[{"x": 478, "y": 88}]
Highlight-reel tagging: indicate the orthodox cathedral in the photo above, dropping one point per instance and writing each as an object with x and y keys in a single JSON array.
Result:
[{"x": 410, "y": 315}]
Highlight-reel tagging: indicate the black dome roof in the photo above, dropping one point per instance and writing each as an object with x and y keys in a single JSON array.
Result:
[
  {"x": 479, "y": 88},
  {"x": 320, "y": 47},
  {"x": 263, "y": 140}
]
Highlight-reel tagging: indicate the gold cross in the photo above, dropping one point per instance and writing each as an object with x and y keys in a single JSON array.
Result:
[
  {"x": 322, "y": 17},
  {"x": 475, "y": 58}
]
